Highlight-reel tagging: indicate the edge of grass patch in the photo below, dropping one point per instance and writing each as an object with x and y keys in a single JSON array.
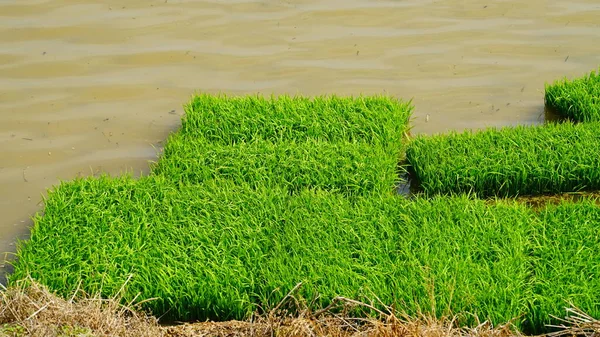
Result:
[
  {"x": 231, "y": 119},
  {"x": 509, "y": 161},
  {"x": 577, "y": 99}
]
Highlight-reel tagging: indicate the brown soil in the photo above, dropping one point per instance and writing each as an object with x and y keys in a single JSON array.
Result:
[{"x": 29, "y": 309}]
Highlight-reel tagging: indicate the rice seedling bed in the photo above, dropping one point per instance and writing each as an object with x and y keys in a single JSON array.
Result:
[
  {"x": 566, "y": 251},
  {"x": 348, "y": 168},
  {"x": 577, "y": 99},
  {"x": 220, "y": 250},
  {"x": 215, "y": 234},
  {"x": 509, "y": 161},
  {"x": 229, "y": 120}
]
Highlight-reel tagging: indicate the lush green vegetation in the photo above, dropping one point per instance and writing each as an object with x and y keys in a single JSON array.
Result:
[
  {"x": 349, "y": 168},
  {"x": 577, "y": 99},
  {"x": 214, "y": 231},
  {"x": 509, "y": 161},
  {"x": 350, "y": 145},
  {"x": 220, "y": 250},
  {"x": 229, "y": 120},
  {"x": 566, "y": 251}
]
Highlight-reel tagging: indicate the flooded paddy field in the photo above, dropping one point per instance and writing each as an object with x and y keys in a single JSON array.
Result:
[{"x": 88, "y": 88}]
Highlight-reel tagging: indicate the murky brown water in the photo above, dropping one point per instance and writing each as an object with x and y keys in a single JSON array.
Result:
[{"x": 89, "y": 86}]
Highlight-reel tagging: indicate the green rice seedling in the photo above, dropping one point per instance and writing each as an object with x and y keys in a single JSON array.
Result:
[
  {"x": 229, "y": 120},
  {"x": 348, "y": 168},
  {"x": 187, "y": 248},
  {"x": 509, "y": 161},
  {"x": 220, "y": 250},
  {"x": 566, "y": 252},
  {"x": 440, "y": 257},
  {"x": 577, "y": 99}
]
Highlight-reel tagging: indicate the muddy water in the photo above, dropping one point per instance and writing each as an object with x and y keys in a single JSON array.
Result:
[{"x": 89, "y": 86}]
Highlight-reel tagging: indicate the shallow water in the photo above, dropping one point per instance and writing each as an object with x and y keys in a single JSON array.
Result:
[{"x": 89, "y": 87}]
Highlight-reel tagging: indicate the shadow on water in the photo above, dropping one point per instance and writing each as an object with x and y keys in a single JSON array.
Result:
[
  {"x": 404, "y": 187},
  {"x": 8, "y": 257},
  {"x": 5, "y": 269},
  {"x": 552, "y": 116},
  {"x": 408, "y": 185}
]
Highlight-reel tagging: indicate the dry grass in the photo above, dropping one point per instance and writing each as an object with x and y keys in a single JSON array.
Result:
[
  {"x": 337, "y": 326},
  {"x": 29, "y": 309},
  {"x": 540, "y": 202},
  {"x": 577, "y": 323}
]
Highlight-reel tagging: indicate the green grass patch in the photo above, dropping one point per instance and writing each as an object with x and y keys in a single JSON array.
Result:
[
  {"x": 214, "y": 232},
  {"x": 567, "y": 261},
  {"x": 348, "y": 168},
  {"x": 577, "y": 99},
  {"x": 220, "y": 250},
  {"x": 229, "y": 120},
  {"x": 509, "y": 161}
]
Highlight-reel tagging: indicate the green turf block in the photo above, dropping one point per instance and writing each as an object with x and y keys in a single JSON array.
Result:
[
  {"x": 577, "y": 99},
  {"x": 220, "y": 250},
  {"x": 344, "y": 167},
  {"x": 232, "y": 119},
  {"x": 510, "y": 161},
  {"x": 566, "y": 253}
]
